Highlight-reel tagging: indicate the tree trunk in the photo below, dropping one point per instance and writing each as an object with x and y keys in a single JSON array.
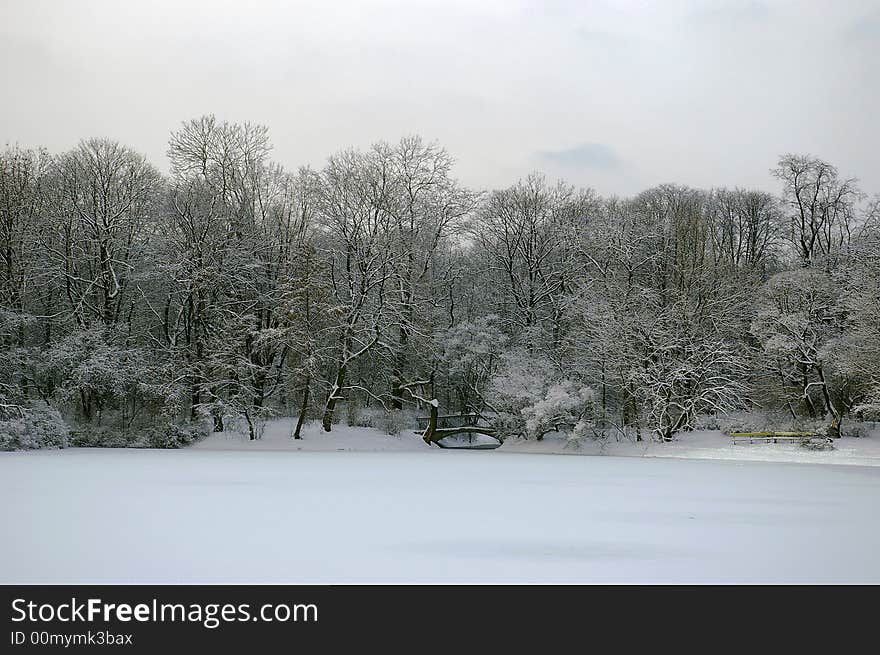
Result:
[
  {"x": 194, "y": 399},
  {"x": 805, "y": 393},
  {"x": 397, "y": 376},
  {"x": 251, "y": 431},
  {"x": 396, "y": 390},
  {"x": 86, "y": 403},
  {"x": 836, "y": 417},
  {"x": 428, "y": 436},
  {"x": 217, "y": 417},
  {"x": 302, "y": 409},
  {"x": 327, "y": 420},
  {"x": 259, "y": 391}
]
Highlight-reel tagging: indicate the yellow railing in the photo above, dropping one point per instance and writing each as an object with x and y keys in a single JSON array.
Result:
[{"x": 770, "y": 435}]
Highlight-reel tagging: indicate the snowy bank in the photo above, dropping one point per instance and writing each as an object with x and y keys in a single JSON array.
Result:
[
  {"x": 704, "y": 444},
  {"x": 276, "y": 436},
  {"x": 714, "y": 444}
]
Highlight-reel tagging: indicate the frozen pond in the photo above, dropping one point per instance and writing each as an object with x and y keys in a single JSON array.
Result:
[{"x": 83, "y": 515}]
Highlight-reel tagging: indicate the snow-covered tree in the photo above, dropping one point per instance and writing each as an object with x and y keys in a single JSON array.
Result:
[
  {"x": 356, "y": 196},
  {"x": 685, "y": 376},
  {"x": 103, "y": 199},
  {"x": 746, "y": 228},
  {"x": 821, "y": 206},
  {"x": 531, "y": 398},
  {"x": 525, "y": 232},
  {"x": 24, "y": 175},
  {"x": 232, "y": 222},
  {"x": 471, "y": 353},
  {"x": 236, "y": 289},
  {"x": 427, "y": 208},
  {"x": 801, "y": 314},
  {"x": 309, "y": 315}
]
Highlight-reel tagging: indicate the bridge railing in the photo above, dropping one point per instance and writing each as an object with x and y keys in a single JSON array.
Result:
[{"x": 449, "y": 421}]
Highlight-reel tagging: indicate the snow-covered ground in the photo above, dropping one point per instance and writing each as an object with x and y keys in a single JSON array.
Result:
[
  {"x": 713, "y": 444},
  {"x": 707, "y": 444},
  {"x": 231, "y": 511}
]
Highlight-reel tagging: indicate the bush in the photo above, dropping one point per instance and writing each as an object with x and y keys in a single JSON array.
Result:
[
  {"x": 868, "y": 411},
  {"x": 169, "y": 435},
  {"x": 564, "y": 403},
  {"x": 394, "y": 422},
  {"x": 354, "y": 416},
  {"x": 101, "y": 436},
  {"x": 31, "y": 427},
  {"x": 762, "y": 420},
  {"x": 533, "y": 400},
  {"x": 708, "y": 422},
  {"x": 174, "y": 435},
  {"x": 823, "y": 444},
  {"x": 584, "y": 430},
  {"x": 854, "y": 430},
  {"x": 391, "y": 422}
]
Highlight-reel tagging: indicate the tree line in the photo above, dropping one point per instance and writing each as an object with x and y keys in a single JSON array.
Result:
[{"x": 232, "y": 290}]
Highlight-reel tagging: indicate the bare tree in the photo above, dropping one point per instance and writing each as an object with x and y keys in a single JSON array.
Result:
[
  {"x": 525, "y": 231},
  {"x": 103, "y": 198},
  {"x": 230, "y": 228},
  {"x": 745, "y": 228},
  {"x": 820, "y": 203},
  {"x": 23, "y": 180},
  {"x": 429, "y": 204},
  {"x": 357, "y": 193}
]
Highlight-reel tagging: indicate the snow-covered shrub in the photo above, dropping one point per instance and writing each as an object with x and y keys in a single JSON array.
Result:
[
  {"x": 31, "y": 427},
  {"x": 97, "y": 374},
  {"x": 166, "y": 435},
  {"x": 355, "y": 417},
  {"x": 250, "y": 424},
  {"x": 585, "y": 429},
  {"x": 827, "y": 429},
  {"x": 531, "y": 399},
  {"x": 869, "y": 410},
  {"x": 707, "y": 422},
  {"x": 395, "y": 422},
  {"x": 391, "y": 422},
  {"x": 755, "y": 421},
  {"x": 102, "y": 436},
  {"x": 856, "y": 430},
  {"x": 520, "y": 382},
  {"x": 817, "y": 444},
  {"x": 563, "y": 403},
  {"x": 174, "y": 435}
]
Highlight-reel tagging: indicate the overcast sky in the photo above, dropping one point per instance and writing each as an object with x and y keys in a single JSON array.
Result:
[{"x": 617, "y": 95}]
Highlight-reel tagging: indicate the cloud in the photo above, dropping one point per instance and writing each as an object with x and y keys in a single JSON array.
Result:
[
  {"x": 586, "y": 155},
  {"x": 865, "y": 28},
  {"x": 728, "y": 11}
]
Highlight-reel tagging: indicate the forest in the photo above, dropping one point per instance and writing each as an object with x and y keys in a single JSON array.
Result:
[{"x": 143, "y": 308}]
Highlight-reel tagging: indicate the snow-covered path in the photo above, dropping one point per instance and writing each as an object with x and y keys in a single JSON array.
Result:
[{"x": 84, "y": 515}]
